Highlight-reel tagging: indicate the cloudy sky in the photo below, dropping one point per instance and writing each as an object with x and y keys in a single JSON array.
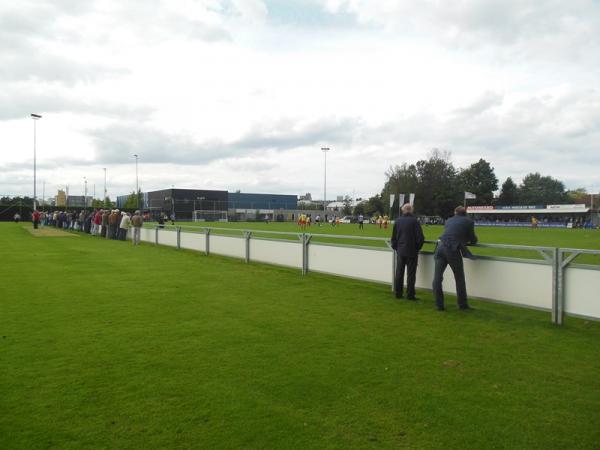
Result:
[{"x": 242, "y": 94}]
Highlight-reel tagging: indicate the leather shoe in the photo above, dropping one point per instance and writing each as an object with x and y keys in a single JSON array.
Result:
[
  {"x": 414, "y": 299},
  {"x": 399, "y": 296},
  {"x": 466, "y": 308},
  {"x": 441, "y": 308}
]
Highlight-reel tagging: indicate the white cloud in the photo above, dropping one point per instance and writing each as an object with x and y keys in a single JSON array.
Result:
[{"x": 214, "y": 93}]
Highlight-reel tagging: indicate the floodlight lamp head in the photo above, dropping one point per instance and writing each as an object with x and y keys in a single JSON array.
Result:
[{"x": 35, "y": 116}]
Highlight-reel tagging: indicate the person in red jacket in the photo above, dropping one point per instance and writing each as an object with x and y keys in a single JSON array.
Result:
[
  {"x": 35, "y": 217},
  {"x": 97, "y": 222}
]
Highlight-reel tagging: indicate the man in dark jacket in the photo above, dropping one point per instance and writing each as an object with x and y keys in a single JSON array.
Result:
[
  {"x": 459, "y": 231},
  {"x": 407, "y": 240},
  {"x": 104, "y": 223}
]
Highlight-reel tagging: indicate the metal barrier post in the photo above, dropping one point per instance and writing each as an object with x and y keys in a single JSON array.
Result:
[
  {"x": 207, "y": 240},
  {"x": 306, "y": 241},
  {"x": 556, "y": 285},
  {"x": 156, "y": 235},
  {"x": 388, "y": 242},
  {"x": 247, "y": 235},
  {"x": 560, "y": 315},
  {"x": 304, "y": 253},
  {"x": 178, "y": 237},
  {"x": 394, "y": 262}
]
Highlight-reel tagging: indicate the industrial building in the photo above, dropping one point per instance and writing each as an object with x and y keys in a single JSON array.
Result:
[{"x": 212, "y": 203}]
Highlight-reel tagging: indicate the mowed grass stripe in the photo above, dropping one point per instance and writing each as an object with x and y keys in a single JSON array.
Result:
[{"x": 106, "y": 345}]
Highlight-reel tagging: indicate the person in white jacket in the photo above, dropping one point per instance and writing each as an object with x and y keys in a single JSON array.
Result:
[{"x": 124, "y": 226}]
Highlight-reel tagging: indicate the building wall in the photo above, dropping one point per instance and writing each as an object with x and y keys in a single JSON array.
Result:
[
  {"x": 61, "y": 198},
  {"x": 184, "y": 201},
  {"x": 238, "y": 200}
]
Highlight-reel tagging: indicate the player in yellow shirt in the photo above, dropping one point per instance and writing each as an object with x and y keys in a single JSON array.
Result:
[{"x": 534, "y": 222}]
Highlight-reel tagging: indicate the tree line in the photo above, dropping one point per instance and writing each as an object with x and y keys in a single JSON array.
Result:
[{"x": 439, "y": 187}]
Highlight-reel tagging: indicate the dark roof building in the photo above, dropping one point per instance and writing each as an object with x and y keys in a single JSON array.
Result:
[
  {"x": 183, "y": 202},
  {"x": 238, "y": 200}
]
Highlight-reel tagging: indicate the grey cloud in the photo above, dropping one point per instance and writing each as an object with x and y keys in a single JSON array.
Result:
[
  {"x": 116, "y": 143},
  {"x": 48, "y": 68},
  {"x": 530, "y": 28},
  {"x": 536, "y": 134},
  {"x": 487, "y": 101},
  {"x": 18, "y": 103},
  {"x": 27, "y": 35}
]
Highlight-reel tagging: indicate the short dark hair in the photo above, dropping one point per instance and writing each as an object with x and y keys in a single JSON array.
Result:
[{"x": 460, "y": 211}]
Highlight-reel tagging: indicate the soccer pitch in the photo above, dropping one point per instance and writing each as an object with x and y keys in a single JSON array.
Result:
[{"x": 106, "y": 345}]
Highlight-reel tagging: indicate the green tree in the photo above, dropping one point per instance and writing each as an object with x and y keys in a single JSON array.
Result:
[
  {"x": 579, "y": 195},
  {"x": 509, "y": 194},
  {"x": 132, "y": 201},
  {"x": 374, "y": 206},
  {"x": 536, "y": 189},
  {"x": 347, "y": 208},
  {"x": 402, "y": 179},
  {"x": 479, "y": 178},
  {"x": 438, "y": 190},
  {"x": 359, "y": 209}
]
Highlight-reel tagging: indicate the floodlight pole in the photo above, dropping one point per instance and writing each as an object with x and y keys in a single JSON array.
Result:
[
  {"x": 104, "y": 199},
  {"x": 85, "y": 194},
  {"x": 325, "y": 150},
  {"x": 35, "y": 118},
  {"x": 137, "y": 186}
]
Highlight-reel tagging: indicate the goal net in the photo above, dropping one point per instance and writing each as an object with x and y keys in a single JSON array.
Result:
[{"x": 205, "y": 215}]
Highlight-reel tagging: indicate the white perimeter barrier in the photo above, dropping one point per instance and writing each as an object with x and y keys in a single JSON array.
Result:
[{"x": 552, "y": 283}]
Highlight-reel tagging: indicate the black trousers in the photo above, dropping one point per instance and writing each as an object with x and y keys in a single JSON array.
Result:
[
  {"x": 112, "y": 231},
  {"x": 406, "y": 264},
  {"x": 445, "y": 257}
]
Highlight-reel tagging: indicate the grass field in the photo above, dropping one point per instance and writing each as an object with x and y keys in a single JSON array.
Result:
[
  {"x": 106, "y": 345},
  {"x": 543, "y": 237}
]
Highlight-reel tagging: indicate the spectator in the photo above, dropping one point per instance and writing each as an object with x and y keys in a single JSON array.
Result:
[
  {"x": 137, "y": 221},
  {"x": 459, "y": 232},
  {"x": 35, "y": 218},
  {"x": 124, "y": 226}
]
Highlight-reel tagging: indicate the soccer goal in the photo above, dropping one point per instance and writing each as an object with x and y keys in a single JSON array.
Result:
[{"x": 205, "y": 215}]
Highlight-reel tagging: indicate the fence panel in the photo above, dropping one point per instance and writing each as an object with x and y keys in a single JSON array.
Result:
[
  {"x": 364, "y": 264},
  {"x": 276, "y": 252},
  {"x": 147, "y": 234},
  {"x": 582, "y": 291},
  {"x": 228, "y": 246},
  {"x": 167, "y": 237},
  {"x": 514, "y": 282},
  {"x": 193, "y": 241}
]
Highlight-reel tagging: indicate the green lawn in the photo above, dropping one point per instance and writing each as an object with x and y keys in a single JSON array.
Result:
[{"x": 106, "y": 345}]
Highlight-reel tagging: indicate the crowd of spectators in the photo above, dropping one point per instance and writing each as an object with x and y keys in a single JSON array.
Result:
[{"x": 105, "y": 223}]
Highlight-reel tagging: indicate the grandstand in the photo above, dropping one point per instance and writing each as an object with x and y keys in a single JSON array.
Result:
[{"x": 547, "y": 216}]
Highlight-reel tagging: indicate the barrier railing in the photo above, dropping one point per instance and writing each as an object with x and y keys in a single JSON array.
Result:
[{"x": 549, "y": 282}]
